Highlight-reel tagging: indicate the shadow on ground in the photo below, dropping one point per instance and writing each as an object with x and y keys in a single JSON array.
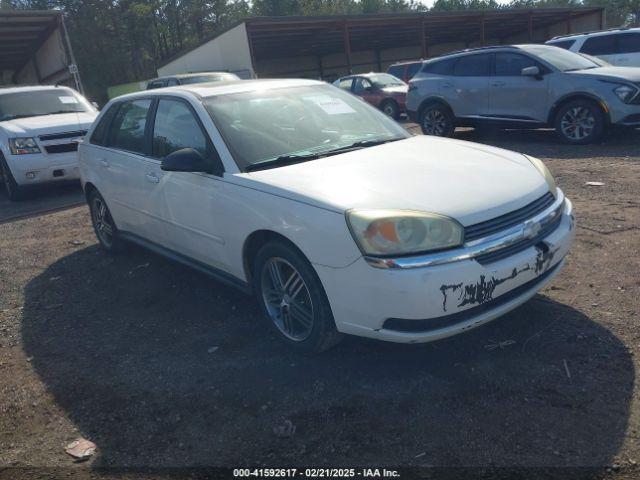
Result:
[
  {"x": 43, "y": 198},
  {"x": 122, "y": 343}
]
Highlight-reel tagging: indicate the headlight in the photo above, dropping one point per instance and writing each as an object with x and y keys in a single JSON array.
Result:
[
  {"x": 544, "y": 171},
  {"x": 625, "y": 93},
  {"x": 21, "y": 146},
  {"x": 401, "y": 232}
]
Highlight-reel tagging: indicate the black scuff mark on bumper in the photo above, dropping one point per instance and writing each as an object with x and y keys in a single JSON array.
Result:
[
  {"x": 479, "y": 292},
  {"x": 544, "y": 257}
]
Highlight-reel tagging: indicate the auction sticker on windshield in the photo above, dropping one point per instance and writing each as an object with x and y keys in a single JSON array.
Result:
[{"x": 331, "y": 105}]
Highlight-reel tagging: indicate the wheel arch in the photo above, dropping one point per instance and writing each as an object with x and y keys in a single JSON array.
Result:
[
  {"x": 433, "y": 100},
  {"x": 254, "y": 242},
  {"x": 88, "y": 189},
  {"x": 570, "y": 97}
]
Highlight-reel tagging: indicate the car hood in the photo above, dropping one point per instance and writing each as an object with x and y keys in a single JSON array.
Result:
[
  {"x": 466, "y": 181},
  {"x": 630, "y": 74},
  {"x": 44, "y": 124},
  {"x": 398, "y": 89}
]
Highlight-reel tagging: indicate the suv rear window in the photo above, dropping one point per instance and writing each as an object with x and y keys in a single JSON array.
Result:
[
  {"x": 600, "y": 45},
  {"x": 473, "y": 65},
  {"x": 396, "y": 71},
  {"x": 566, "y": 44}
]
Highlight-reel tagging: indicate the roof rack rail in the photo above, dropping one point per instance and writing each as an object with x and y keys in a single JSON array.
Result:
[
  {"x": 616, "y": 29},
  {"x": 476, "y": 49}
]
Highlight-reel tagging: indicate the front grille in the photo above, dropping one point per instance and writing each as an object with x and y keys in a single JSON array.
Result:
[
  {"x": 430, "y": 324},
  {"x": 62, "y": 148},
  {"x": 495, "y": 225},
  {"x": 58, "y": 136},
  {"x": 519, "y": 246}
]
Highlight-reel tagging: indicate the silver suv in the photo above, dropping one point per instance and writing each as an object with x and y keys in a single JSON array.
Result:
[{"x": 524, "y": 86}]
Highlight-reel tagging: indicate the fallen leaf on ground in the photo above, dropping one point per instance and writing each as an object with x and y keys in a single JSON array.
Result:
[{"x": 81, "y": 448}]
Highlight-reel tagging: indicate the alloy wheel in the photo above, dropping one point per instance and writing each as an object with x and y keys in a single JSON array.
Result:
[
  {"x": 578, "y": 123},
  {"x": 102, "y": 221},
  {"x": 434, "y": 123},
  {"x": 287, "y": 299},
  {"x": 389, "y": 110}
]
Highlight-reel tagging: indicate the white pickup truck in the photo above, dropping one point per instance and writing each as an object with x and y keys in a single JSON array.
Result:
[{"x": 40, "y": 128}]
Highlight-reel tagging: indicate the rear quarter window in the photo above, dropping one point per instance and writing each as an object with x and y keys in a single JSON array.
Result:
[
  {"x": 566, "y": 44},
  {"x": 629, "y": 42},
  {"x": 473, "y": 66},
  {"x": 440, "y": 67},
  {"x": 413, "y": 69},
  {"x": 99, "y": 135}
]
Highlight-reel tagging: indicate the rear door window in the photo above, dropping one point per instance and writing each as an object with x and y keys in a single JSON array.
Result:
[
  {"x": 128, "y": 128},
  {"x": 600, "y": 45},
  {"x": 473, "y": 65},
  {"x": 629, "y": 43}
]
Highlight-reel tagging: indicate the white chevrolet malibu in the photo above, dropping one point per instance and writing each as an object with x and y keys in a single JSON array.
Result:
[{"x": 335, "y": 217}]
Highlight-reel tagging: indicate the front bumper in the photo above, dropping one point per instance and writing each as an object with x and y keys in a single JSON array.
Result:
[
  {"x": 426, "y": 303},
  {"x": 41, "y": 168}
]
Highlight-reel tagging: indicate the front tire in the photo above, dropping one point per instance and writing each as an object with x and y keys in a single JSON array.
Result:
[
  {"x": 580, "y": 122},
  {"x": 103, "y": 224},
  {"x": 436, "y": 119},
  {"x": 14, "y": 192},
  {"x": 292, "y": 298}
]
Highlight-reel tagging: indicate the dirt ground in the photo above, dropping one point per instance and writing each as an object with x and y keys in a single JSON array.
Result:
[{"x": 116, "y": 349}]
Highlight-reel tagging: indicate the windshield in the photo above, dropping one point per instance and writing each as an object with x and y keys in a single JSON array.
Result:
[
  {"x": 34, "y": 103},
  {"x": 219, "y": 77},
  {"x": 301, "y": 121},
  {"x": 560, "y": 58},
  {"x": 386, "y": 80}
]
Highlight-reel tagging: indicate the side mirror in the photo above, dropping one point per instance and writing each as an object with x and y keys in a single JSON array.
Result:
[
  {"x": 531, "y": 71},
  {"x": 186, "y": 160}
]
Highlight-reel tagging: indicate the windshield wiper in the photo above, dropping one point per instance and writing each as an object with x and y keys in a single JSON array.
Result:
[
  {"x": 281, "y": 161},
  {"x": 361, "y": 144},
  {"x": 291, "y": 159}
]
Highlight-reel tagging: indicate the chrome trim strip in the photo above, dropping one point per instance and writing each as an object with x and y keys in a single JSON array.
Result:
[{"x": 481, "y": 246}]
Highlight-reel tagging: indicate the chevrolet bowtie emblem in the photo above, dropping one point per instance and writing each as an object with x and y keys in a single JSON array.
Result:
[{"x": 531, "y": 228}]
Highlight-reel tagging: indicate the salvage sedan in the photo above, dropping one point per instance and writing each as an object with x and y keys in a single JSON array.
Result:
[{"x": 335, "y": 217}]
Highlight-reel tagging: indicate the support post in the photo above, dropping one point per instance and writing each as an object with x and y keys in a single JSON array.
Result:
[
  {"x": 423, "y": 41},
  {"x": 569, "y": 28},
  {"x": 320, "y": 70},
  {"x": 482, "y": 38},
  {"x": 251, "y": 52},
  {"x": 378, "y": 60},
  {"x": 602, "y": 19},
  {"x": 530, "y": 27},
  {"x": 347, "y": 48}
]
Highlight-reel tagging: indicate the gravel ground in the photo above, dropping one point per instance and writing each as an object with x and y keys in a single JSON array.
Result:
[{"x": 117, "y": 349}]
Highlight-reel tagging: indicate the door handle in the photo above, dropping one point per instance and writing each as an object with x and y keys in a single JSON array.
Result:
[
  {"x": 446, "y": 85},
  {"x": 104, "y": 163},
  {"x": 498, "y": 83},
  {"x": 152, "y": 177}
]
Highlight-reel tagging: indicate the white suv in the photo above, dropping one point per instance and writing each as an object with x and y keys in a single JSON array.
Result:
[
  {"x": 40, "y": 128},
  {"x": 620, "y": 47}
]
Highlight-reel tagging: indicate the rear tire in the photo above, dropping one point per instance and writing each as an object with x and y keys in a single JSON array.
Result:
[
  {"x": 103, "y": 224},
  {"x": 14, "y": 191},
  {"x": 580, "y": 122},
  {"x": 292, "y": 298},
  {"x": 391, "y": 109},
  {"x": 436, "y": 119}
]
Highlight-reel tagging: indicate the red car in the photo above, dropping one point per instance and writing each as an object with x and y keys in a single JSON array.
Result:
[{"x": 381, "y": 90}]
